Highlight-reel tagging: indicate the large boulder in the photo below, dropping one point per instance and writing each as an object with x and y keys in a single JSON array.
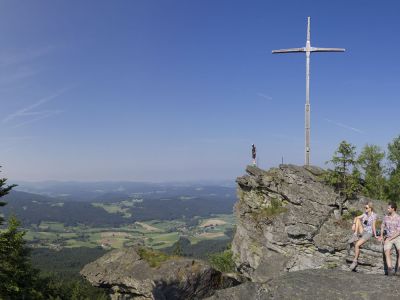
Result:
[
  {"x": 127, "y": 276},
  {"x": 288, "y": 219}
]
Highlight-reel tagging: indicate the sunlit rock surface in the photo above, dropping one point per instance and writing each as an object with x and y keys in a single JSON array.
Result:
[
  {"x": 126, "y": 276},
  {"x": 307, "y": 230}
]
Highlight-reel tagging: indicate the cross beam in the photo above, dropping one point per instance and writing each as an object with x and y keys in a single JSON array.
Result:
[{"x": 307, "y": 49}]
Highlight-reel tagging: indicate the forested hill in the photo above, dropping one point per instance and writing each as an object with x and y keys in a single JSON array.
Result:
[
  {"x": 123, "y": 207},
  {"x": 118, "y": 190}
]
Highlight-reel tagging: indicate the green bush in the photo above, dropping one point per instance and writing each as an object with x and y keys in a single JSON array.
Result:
[
  {"x": 222, "y": 261},
  {"x": 351, "y": 214}
]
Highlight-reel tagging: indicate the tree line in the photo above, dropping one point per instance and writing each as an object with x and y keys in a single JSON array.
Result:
[
  {"x": 79, "y": 212},
  {"x": 20, "y": 280},
  {"x": 374, "y": 172}
]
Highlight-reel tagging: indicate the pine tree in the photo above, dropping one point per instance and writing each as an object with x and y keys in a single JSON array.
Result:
[
  {"x": 17, "y": 276},
  {"x": 394, "y": 153},
  {"x": 4, "y": 190},
  {"x": 370, "y": 161},
  {"x": 345, "y": 175},
  {"x": 393, "y": 188}
]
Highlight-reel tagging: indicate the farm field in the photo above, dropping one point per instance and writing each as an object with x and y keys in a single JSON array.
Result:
[{"x": 154, "y": 234}]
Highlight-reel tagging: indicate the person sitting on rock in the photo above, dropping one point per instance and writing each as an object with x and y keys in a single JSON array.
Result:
[
  {"x": 391, "y": 226},
  {"x": 364, "y": 228}
]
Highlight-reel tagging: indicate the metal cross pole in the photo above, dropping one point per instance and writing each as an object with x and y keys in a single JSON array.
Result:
[{"x": 307, "y": 49}]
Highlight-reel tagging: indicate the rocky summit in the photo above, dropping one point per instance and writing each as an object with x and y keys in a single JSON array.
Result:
[
  {"x": 288, "y": 219},
  {"x": 291, "y": 242}
]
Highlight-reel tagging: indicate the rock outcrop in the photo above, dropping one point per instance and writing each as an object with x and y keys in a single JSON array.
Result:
[
  {"x": 289, "y": 220},
  {"x": 291, "y": 242},
  {"x": 316, "y": 284},
  {"x": 126, "y": 276}
]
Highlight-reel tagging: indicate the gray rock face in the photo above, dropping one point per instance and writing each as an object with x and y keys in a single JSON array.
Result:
[
  {"x": 304, "y": 231},
  {"x": 126, "y": 276},
  {"x": 317, "y": 284}
]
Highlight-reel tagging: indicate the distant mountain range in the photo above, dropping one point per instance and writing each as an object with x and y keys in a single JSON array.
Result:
[{"x": 118, "y": 190}]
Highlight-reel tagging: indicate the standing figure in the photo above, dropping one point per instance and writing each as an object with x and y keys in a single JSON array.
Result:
[{"x": 253, "y": 154}]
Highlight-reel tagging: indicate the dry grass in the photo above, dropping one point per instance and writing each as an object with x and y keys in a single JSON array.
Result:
[
  {"x": 211, "y": 235},
  {"x": 212, "y": 222},
  {"x": 147, "y": 226}
]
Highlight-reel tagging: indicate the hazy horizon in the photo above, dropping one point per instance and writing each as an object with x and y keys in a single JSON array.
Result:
[{"x": 171, "y": 182}]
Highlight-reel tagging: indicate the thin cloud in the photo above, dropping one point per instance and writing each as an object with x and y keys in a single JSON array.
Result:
[
  {"x": 17, "y": 75},
  {"x": 345, "y": 126},
  {"x": 27, "y": 111},
  {"x": 264, "y": 96},
  {"x": 13, "y": 57},
  {"x": 44, "y": 115},
  {"x": 18, "y": 65}
]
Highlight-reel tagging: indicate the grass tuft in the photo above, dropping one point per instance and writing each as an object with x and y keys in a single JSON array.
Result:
[
  {"x": 154, "y": 258},
  {"x": 267, "y": 213},
  {"x": 222, "y": 261}
]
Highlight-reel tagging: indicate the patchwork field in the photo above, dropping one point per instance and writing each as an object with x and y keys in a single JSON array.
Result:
[{"x": 153, "y": 234}]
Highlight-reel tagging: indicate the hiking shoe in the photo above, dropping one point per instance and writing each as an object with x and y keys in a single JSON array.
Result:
[
  {"x": 353, "y": 266},
  {"x": 391, "y": 272}
]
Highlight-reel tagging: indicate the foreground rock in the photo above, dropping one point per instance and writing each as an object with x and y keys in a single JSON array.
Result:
[
  {"x": 288, "y": 220},
  {"x": 317, "y": 284},
  {"x": 126, "y": 276}
]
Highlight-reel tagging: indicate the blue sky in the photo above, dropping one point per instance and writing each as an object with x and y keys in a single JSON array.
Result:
[{"x": 178, "y": 90}]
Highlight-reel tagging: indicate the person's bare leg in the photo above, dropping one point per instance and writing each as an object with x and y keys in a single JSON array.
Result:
[
  {"x": 388, "y": 259},
  {"x": 359, "y": 228},
  {"x": 353, "y": 227},
  {"x": 357, "y": 246}
]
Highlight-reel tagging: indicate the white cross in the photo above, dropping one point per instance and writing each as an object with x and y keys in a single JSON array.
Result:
[{"x": 308, "y": 49}]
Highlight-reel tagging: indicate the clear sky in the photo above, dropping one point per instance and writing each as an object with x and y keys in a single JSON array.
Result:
[{"x": 178, "y": 90}]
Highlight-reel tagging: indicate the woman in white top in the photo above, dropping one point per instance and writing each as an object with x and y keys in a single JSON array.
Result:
[{"x": 363, "y": 228}]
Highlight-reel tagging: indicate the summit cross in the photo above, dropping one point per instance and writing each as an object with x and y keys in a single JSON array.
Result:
[{"x": 307, "y": 49}]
